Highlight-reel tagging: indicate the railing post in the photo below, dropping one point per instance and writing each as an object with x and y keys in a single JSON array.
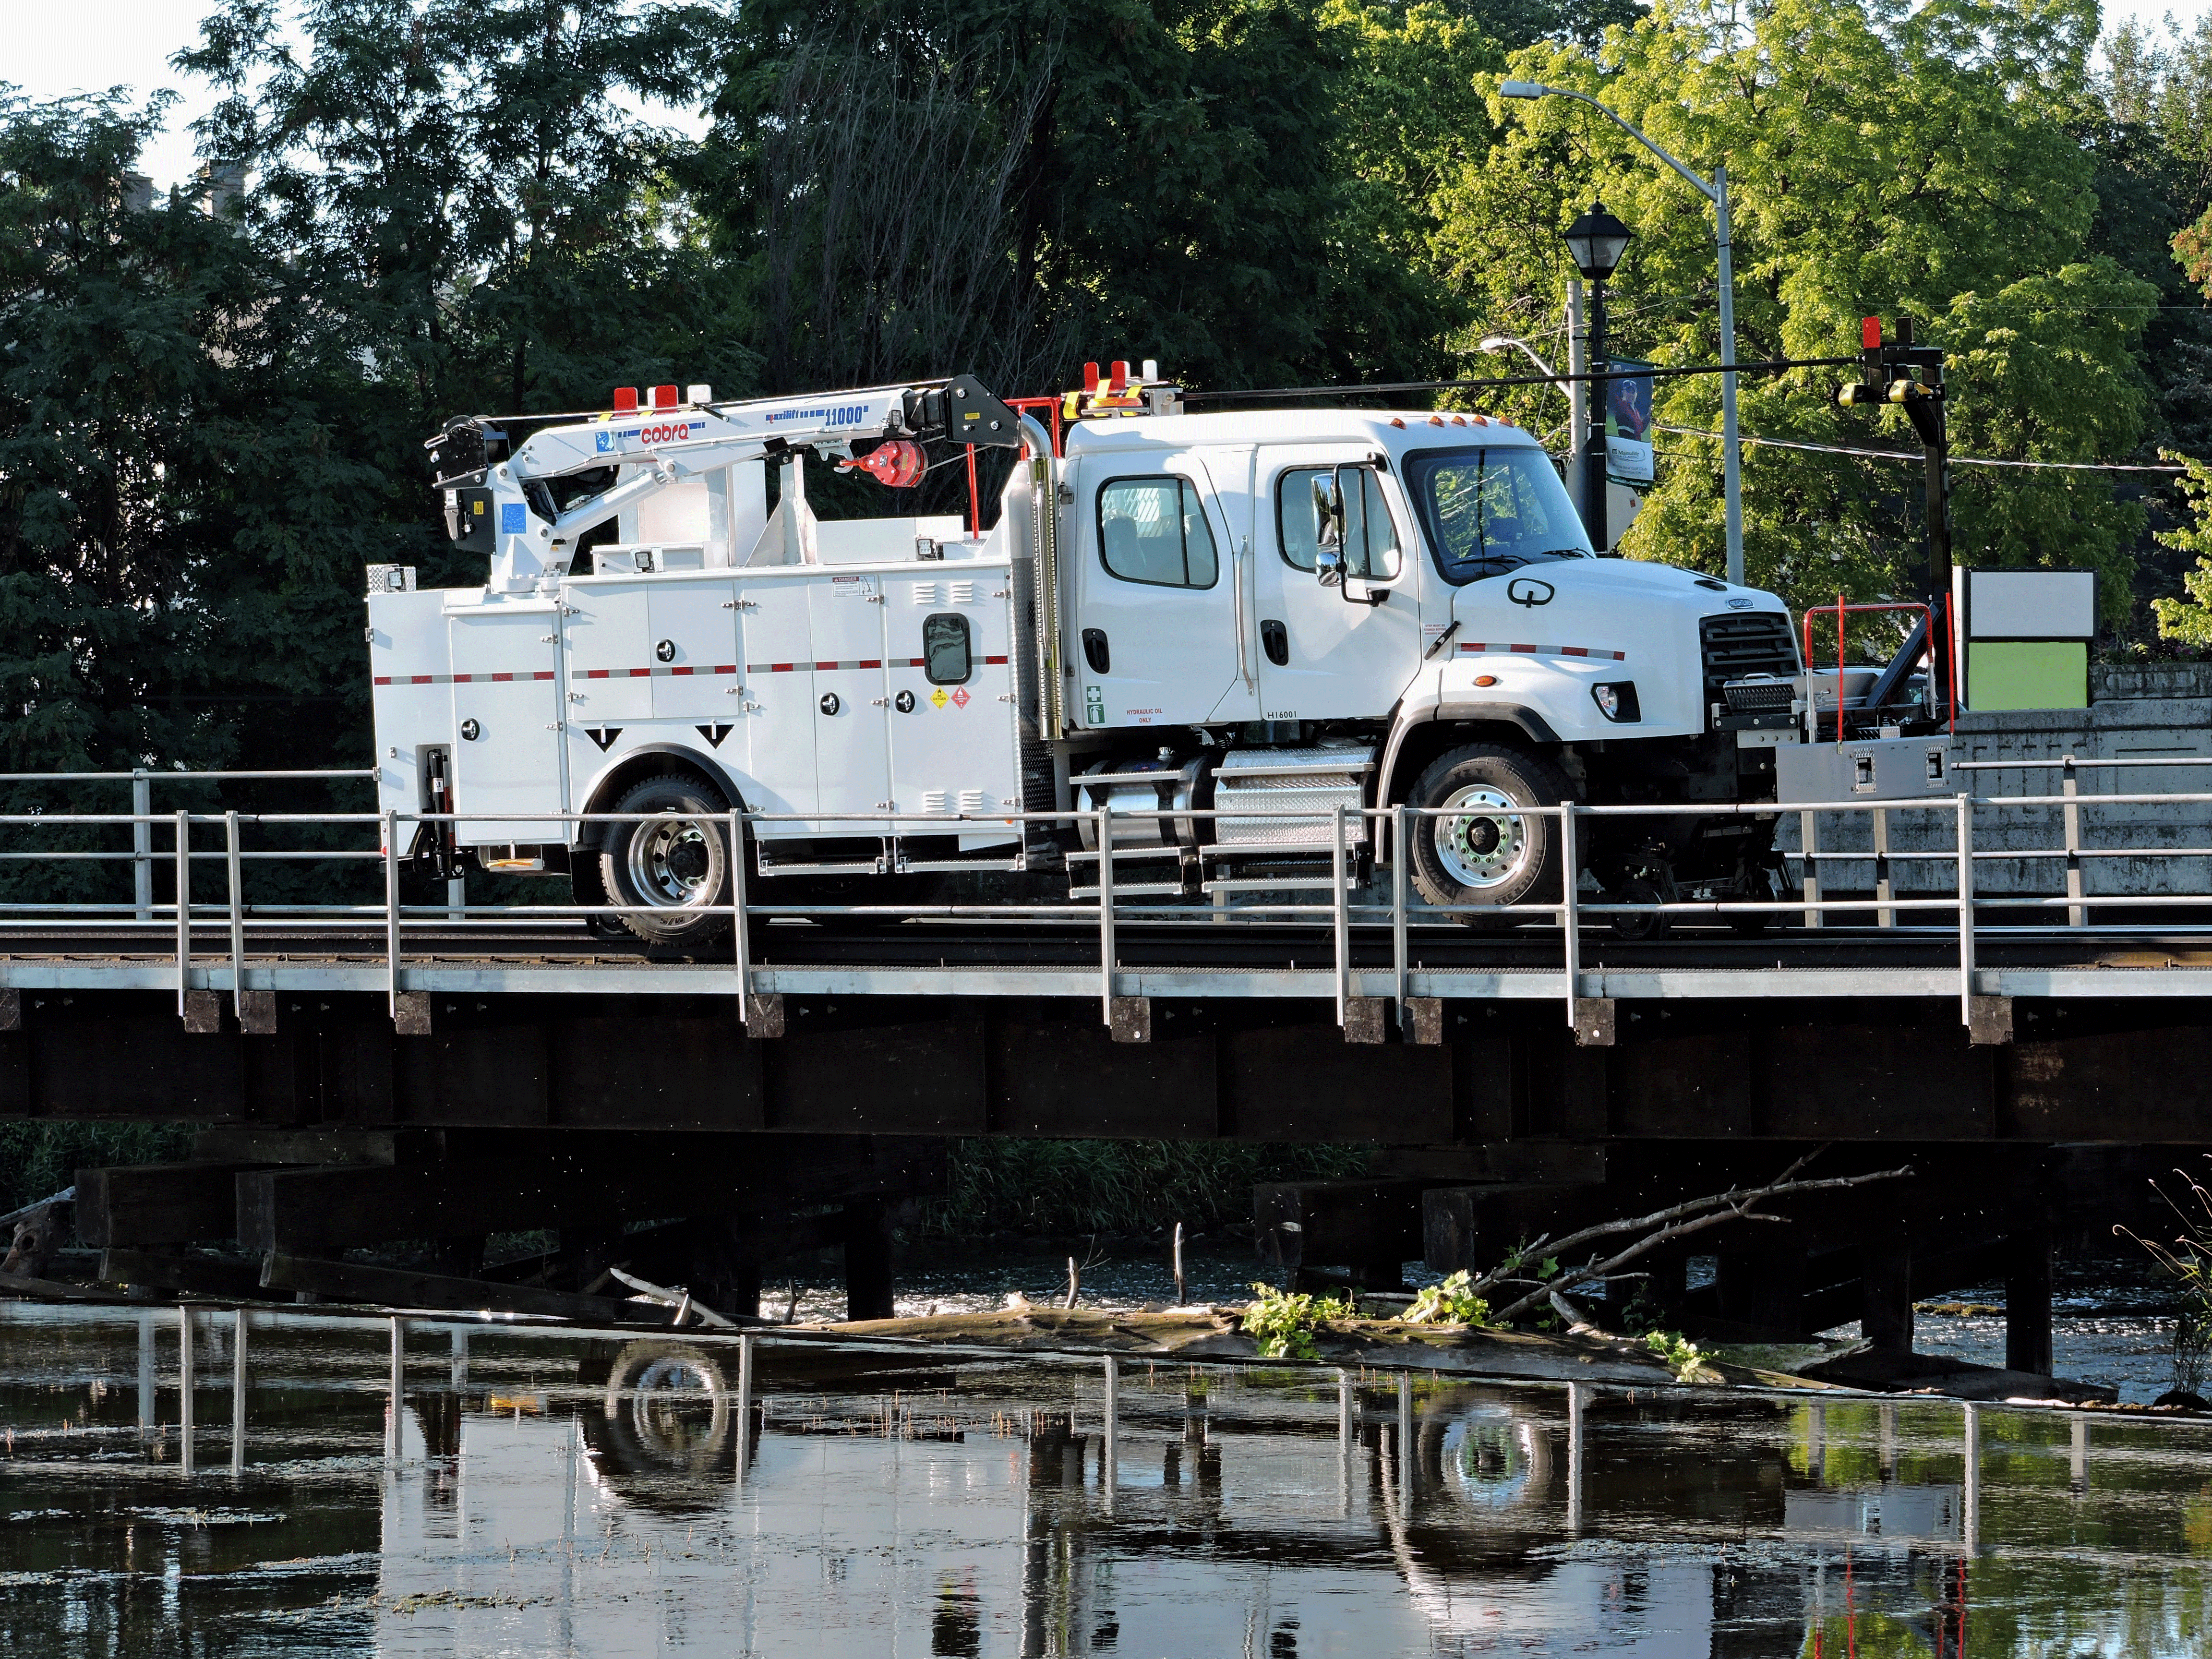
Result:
[
  {"x": 739, "y": 940},
  {"x": 237, "y": 916},
  {"x": 2077, "y": 914},
  {"x": 184, "y": 908},
  {"x": 1808, "y": 838},
  {"x": 1340, "y": 913},
  {"x": 1105, "y": 916},
  {"x": 1570, "y": 915},
  {"x": 1965, "y": 909},
  {"x": 141, "y": 844},
  {"x": 391, "y": 908},
  {"x": 1885, "y": 913},
  {"x": 1399, "y": 852}
]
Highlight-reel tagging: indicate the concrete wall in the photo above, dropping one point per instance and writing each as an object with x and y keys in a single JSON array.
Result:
[{"x": 2162, "y": 711}]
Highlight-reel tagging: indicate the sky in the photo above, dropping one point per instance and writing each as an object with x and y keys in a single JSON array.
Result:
[{"x": 88, "y": 45}]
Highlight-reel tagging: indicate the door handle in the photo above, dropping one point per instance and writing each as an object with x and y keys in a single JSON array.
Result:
[
  {"x": 1095, "y": 651},
  {"x": 1275, "y": 641}
]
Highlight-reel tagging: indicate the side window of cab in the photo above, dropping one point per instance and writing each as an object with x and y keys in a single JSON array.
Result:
[
  {"x": 1370, "y": 535},
  {"x": 1154, "y": 530}
]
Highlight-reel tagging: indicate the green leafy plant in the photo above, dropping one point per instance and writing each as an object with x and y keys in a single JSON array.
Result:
[
  {"x": 1285, "y": 1320},
  {"x": 1678, "y": 1352},
  {"x": 1450, "y": 1303}
]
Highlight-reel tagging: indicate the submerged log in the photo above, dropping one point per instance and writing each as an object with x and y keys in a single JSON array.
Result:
[{"x": 1217, "y": 1332}]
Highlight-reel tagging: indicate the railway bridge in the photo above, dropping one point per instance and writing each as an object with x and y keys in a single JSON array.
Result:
[{"x": 374, "y": 1059}]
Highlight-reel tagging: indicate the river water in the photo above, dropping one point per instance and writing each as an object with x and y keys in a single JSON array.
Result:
[{"x": 543, "y": 1493}]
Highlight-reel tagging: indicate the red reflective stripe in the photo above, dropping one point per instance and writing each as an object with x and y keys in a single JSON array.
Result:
[
  {"x": 1574, "y": 651},
  {"x": 825, "y": 664},
  {"x": 868, "y": 663},
  {"x": 542, "y": 674},
  {"x": 601, "y": 673},
  {"x": 424, "y": 679},
  {"x": 792, "y": 667},
  {"x": 640, "y": 673},
  {"x": 382, "y": 679},
  {"x": 502, "y": 677},
  {"x": 992, "y": 659},
  {"x": 1530, "y": 650},
  {"x": 725, "y": 668},
  {"x": 684, "y": 668}
]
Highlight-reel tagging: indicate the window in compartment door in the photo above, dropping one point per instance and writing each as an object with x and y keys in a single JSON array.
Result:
[{"x": 946, "y": 657}]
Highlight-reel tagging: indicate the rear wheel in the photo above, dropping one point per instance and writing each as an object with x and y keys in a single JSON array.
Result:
[
  {"x": 674, "y": 864},
  {"x": 1483, "y": 852}
]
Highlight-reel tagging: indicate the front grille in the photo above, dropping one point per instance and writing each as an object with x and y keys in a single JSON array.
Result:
[
  {"x": 1747, "y": 642},
  {"x": 1759, "y": 696}
]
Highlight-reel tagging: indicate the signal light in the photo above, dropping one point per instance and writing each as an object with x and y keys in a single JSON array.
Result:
[
  {"x": 1120, "y": 374},
  {"x": 625, "y": 400},
  {"x": 1870, "y": 333},
  {"x": 663, "y": 396},
  {"x": 1091, "y": 377}
]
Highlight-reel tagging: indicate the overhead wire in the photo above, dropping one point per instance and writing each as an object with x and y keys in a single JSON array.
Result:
[{"x": 1866, "y": 452}]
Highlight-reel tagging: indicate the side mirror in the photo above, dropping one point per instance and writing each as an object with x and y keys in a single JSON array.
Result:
[{"x": 1328, "y": 529}]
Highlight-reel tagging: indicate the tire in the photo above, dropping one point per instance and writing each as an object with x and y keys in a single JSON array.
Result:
[
  {"x": 1636, "y": 890},
  {"x": 669, "y": 865},
  {"x": 1494, "y": 857}
]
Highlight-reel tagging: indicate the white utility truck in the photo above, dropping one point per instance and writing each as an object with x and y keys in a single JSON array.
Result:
[{"x": 1259, "y": 614}]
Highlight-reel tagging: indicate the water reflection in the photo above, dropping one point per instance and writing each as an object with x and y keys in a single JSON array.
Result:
[{"x": 560, "y": 1495}]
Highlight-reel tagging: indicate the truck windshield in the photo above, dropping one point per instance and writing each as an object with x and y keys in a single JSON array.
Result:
[{"x": 1493, "y": 510}]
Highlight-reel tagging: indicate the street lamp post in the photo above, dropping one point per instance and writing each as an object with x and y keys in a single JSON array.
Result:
[
  {"x": 1715, "y": 191},
  {"x": 1597, "y": 241}
]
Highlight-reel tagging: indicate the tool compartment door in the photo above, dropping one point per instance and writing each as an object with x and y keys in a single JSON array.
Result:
[
  {"x": 774, "y": 745},
  {"x": 609, "y": 638},
  {"x": 1342, "y": 660},
  {"x": 507, "y": 691},
  {"x": 694, "y": 625},
  {"x": 953, "y": 722},
  {"x": 852, "y": 737},
  {"x": 1157, "y": 596}
]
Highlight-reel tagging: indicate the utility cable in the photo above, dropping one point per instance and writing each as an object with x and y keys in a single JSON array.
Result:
[{"x": 1870, "y": 454}]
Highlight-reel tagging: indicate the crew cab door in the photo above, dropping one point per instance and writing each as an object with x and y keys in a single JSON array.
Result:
[
  {"x": 1156, "y": 614},
  {"x": 507, "y": 721},
  {"x": 1326, "y": 653}
]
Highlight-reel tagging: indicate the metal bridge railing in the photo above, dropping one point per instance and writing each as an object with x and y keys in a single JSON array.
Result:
[{"x": 1344, "y": 917}]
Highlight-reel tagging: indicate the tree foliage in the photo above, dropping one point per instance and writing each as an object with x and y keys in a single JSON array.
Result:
[
  {"x": 1881, "y": 162},
  {"x": 213, "y": 420}
]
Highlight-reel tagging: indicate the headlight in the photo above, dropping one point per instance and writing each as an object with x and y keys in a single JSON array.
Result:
[{"x": 1616, "y": 701}]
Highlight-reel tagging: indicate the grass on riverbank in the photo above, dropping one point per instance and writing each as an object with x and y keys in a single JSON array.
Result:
[
  {"x": 1075, "y": 1187},
  {"x": 37, "y": 1160}
]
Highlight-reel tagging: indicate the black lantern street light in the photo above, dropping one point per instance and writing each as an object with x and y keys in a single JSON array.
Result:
[{"x": 1597, "y": 240}]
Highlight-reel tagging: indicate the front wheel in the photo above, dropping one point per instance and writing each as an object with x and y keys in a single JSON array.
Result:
[
  {"x": 1482, "y": 851},
  {"x": 671, "y": 865}
]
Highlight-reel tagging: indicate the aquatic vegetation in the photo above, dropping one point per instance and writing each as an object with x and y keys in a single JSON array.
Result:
[
  {"x": 2187, "y": 1260},
  {"x": 1678, "y": 1354},
  {"x": 1285, "y": 1320},
  {"x": 1453, "y": 1301}
]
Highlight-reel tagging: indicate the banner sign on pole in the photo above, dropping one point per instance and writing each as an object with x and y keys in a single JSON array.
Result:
[{"x": 1628, "y": 423}]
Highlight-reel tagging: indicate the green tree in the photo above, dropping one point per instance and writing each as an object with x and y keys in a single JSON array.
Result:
[{"x": 1880, "y": 162}]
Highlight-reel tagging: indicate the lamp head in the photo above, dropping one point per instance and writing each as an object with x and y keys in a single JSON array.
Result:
[
  {"x": 1522, "y": 89},
  {"x": 1597, "y": 240}
]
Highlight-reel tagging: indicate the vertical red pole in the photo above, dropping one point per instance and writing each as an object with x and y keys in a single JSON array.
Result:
[
  {"x": 1840, "y": 668},
  {"x": 1058, "y": 453},
  {"x": 974, "y": 500}
]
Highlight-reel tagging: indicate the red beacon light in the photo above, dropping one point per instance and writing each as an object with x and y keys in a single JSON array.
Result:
[
  {"x": 1870, "y": 333},
  {"x": 1120, "y": 374},
  {"x": 1091, "y": 377},
  {"x": 663, "y": 396},
  {"x": 625, "y": 400}
]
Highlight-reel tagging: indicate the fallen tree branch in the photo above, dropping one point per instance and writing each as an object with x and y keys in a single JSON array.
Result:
[{"x": 1674, "y": 1222}]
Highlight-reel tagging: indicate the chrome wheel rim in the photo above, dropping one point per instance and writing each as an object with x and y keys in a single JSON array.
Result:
[
  {"x": 1488, "y": 843},
  {"x": 671, "y": 862}
]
